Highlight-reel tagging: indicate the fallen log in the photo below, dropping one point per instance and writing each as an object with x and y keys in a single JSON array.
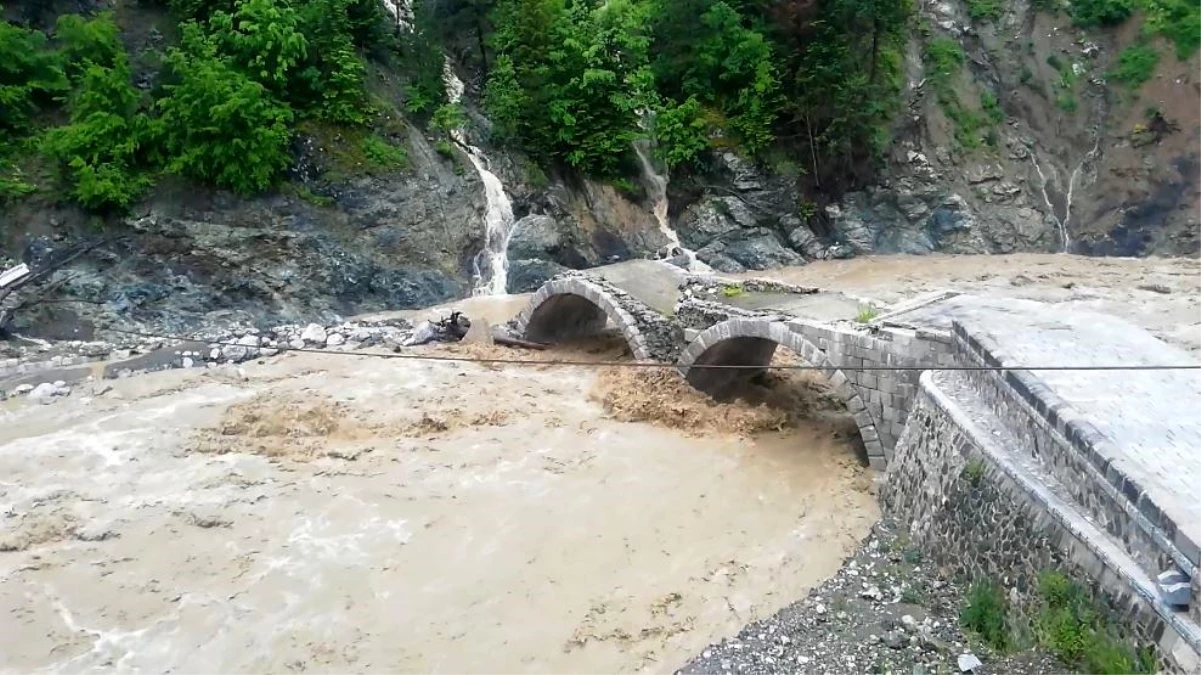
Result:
[{"x": 503, "y": 339}]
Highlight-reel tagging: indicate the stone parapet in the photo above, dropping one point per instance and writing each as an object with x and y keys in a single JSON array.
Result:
[{"x": 979, "y": 505}]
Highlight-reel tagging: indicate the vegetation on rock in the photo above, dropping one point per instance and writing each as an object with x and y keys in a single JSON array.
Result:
[{"x": 571, "y": 83}]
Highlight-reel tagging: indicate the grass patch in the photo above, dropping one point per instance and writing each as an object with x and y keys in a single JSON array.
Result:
[
  {"x": 1176, "y": 20},
  {"x": 1136, "y": 65},
  {"x": 732, "y": 290},
  {"x": 313, "y": 198},
  {"x": 382, "y": 155},
  {"x": 1069, "y": 625},
  {"x": 866, "y": 314},
  {"x": 1101, "y": 12},
  {"x": 13, "y": 185},
  {"x": 986, "y": 615},
  {"x": 973, "y": 473},
  {"x": 985, "y": 10},
  {"x": 944, "y": 59},
  {"x": 991, "y": 107},
  {"x": 914, "y": 594},
  {"x": 354, "y": 151}
]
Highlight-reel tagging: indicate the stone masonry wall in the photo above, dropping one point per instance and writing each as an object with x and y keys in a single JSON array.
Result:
[
  {"x": 651, "y": 335},
  {"x": 889, "y": 395},
  {"x": 990, "y": 522},
  {"x": 1046, "y": 442}
]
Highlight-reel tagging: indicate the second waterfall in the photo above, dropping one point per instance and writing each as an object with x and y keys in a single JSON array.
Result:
[{"x": 490, "y": 268}]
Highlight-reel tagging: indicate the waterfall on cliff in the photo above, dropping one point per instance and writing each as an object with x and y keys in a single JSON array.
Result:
[
  {"x": 655, "y": 184},
  {"x": 490, "y": 268}
]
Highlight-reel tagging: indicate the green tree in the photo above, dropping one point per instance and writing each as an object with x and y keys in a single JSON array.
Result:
[
  {"x": 681, "y": 133},
  {"x": 518, "y": 93},
  {"x": 263, "y": 37},
  {"x": 569, "y": 83},
  {"x": 424, "y": 64},
  {"x": 841, "y": 82},
  {"x": 101, "y": 150},
  {"x": 31, "y": 78},
  {"x": 330, "y": 80},
  {"x": 722, "y": 63},
  {"x": 216, "y": 124},
  {"x": 87, "y": 42}
]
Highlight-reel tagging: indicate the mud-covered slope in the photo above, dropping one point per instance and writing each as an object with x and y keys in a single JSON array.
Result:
[{"x": 1018, "y": 137}]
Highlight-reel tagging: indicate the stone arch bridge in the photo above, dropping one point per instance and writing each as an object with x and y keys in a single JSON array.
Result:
[
  {"x": 697, "y": 333},
  {"x": 1094, "y": 471}
]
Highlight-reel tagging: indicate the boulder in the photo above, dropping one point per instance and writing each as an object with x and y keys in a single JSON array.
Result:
[
  {"x": 313, "y": 334},
  {"x": 754, "y": 249},
  {"x": 535, "y": 237},
  {"x": 526, "y": 276},
  {"x": 712, "y": 219},
  {"x": 49, "y": 392},
  {"x": 801, "y": 238}
]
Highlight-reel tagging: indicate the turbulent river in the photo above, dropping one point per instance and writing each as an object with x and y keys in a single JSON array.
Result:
[{"x": 326, "y": 513}]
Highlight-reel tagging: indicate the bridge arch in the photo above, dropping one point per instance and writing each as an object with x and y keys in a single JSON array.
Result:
[
  {"x": 574, "y": 306},
  {"x": 753, "y": 342}
]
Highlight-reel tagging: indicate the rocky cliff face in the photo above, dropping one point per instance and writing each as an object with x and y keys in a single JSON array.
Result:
[
  {"x": 1045, "y": 151},
  {"x": 324, "y": 246},
  {"x": 1023, "y": 145}
]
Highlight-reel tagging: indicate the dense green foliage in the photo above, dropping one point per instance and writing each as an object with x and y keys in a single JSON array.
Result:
[
  {"x": 1136, "y": 65},
  {"x": 421, "y": 51},
  {"x": 842, "y": 77},
  {"x": 1070, "y": 625},
  {"x": 31, "y": 77},
  {"x": 218, "y": 125},
  {"x": 1101, "y": 12},
  {"x": 576, "y": 82},
  {"x": 1176, "y": 20},
  {"x": 101, "y": 150},
  {"x": 223, "y": 107},
  {"x": 812, "y": 87},
  {"x": 986, "y": 615}
]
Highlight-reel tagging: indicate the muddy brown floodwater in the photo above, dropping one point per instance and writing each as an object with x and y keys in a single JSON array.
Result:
[{"x": 316, "y": 512}]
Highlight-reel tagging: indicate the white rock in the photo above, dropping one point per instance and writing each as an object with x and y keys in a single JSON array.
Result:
[
  {"x": 235, "y": 353},
  {"x": 313, "y": 334},
  {"x": 188, "y": 362},
  {"x": 968, "y": 662},
  {"x": 47, "y": 392},
  {"x": 23, "y": 389},
  {"x": 249, "y": 340},
  {"x": 59, "y": 384},
  {"x": 296, "y": 344},
  {"x": 214, "y": 354},
  {"x": 269, "y": 351},
  {"x": 334, "y": 339}
]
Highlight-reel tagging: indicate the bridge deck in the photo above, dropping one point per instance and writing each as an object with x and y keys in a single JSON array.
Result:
[{"x": 1151, "y": 420}]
